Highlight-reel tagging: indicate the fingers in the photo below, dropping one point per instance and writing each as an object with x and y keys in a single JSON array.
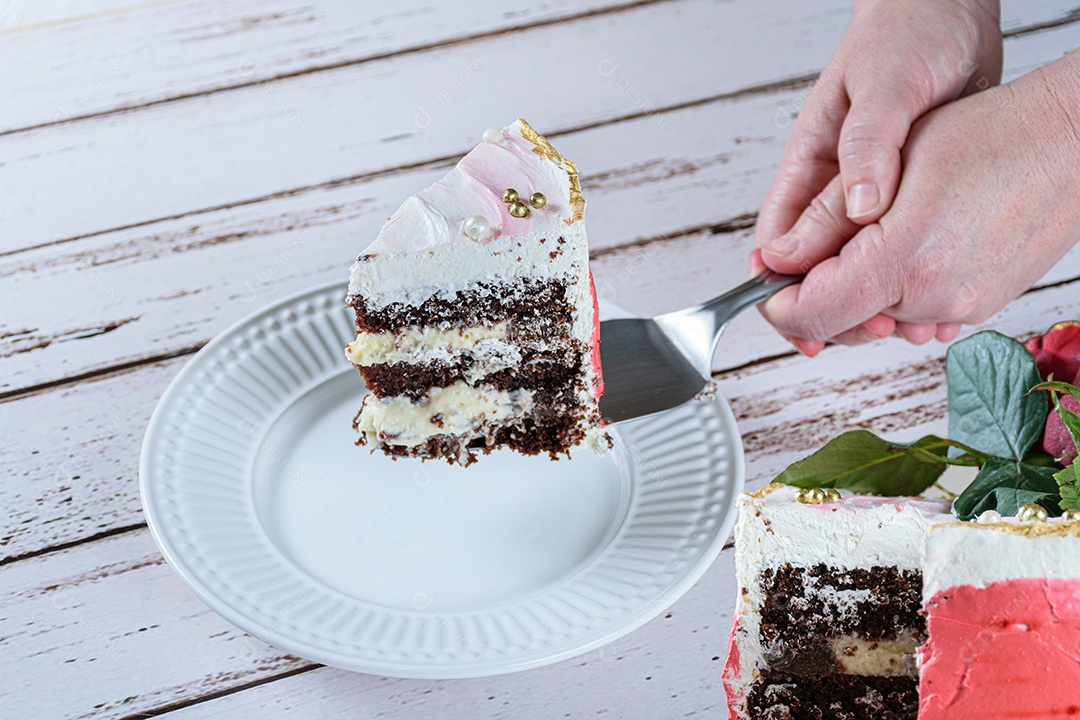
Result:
[
  {"x": 809, "y": 159},
  {"x": 873, "y": 134},
  {"x": 809, "y": 348},
  {"x": 819, "y": 233},
  {"x": 840, "y": 293},
  {"x": 947, "y": 332},
  {"x": 876, "y": 328},
  {"x": 916, "y": 333}
]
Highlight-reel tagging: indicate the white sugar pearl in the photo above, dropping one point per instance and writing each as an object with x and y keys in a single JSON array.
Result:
[
  {"x": 989, "y": 516},
  {"x": 476, "y": 228},
  {"x": 492, "y": 135}
]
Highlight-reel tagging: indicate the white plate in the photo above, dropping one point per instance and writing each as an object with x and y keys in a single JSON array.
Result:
[{"x": 258, "y": 498}]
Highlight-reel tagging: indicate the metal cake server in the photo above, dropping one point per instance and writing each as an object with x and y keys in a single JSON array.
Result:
[{"x": 651, "y": 365}]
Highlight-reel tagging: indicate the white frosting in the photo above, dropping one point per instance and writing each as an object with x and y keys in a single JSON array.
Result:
[
  {"x": 859, "y": 531},
  {"x": 410, "y": 277},
  {"x": 461, "y": 410},
  {"x": 982, "y": 554}
]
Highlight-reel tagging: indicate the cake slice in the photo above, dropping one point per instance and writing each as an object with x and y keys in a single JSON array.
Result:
[
  {"x": 1003, "y": 611},
  {"x": 476, "y": 314},
  {"x": 828, "y": 610}
]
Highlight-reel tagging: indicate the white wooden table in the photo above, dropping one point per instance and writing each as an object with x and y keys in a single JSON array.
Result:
[{"x": 168, "y": 167}]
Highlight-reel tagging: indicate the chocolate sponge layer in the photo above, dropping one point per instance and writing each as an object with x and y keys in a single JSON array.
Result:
[
  {"x": 777, "y": 696},
  {"x": 535, "y": 307}
]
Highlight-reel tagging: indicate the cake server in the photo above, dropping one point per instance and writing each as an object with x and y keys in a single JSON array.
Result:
[{"x": 655, "y": 364}]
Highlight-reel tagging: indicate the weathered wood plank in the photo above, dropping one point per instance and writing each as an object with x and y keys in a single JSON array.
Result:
[
  {"x": 18, "y": 16},
  {"x": 225, "y": 148},
  {"x": 146, "y": 291},
  {"x": 71, "y": 459},
  {"x": 87, "y": 604},
  {"x": 120, "y": 629},
  {"x": 307, "y": 130},
  {"x": 160, "y": 51}
]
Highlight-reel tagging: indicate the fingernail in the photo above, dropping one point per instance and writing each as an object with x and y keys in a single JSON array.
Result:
[
  {"x": 757, "y": 266},
  {"x": 862, "y": 199},
  {"x": 782, "y": 245}
]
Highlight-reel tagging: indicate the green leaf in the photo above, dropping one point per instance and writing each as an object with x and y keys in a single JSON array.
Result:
[
  {"x": 1062, "y": 387},
  {"x": 1068, "y": 487},
  {"x": 1041, "y": 458},
  {"x": 989, "y": 408},
  {"x": 862, "y": 462},
  {"x": 1005, "y": 485},
  {"x": 1008, "y": 502}
]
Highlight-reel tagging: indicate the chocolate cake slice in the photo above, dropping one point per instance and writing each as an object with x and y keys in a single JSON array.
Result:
[
  {"x": 476, "y": 314},
  {"x": 828, "y": 612}
]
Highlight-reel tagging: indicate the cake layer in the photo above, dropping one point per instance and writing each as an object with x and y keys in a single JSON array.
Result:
[
  {"x": 876, "y": 603},
  {"x": 453, "y": 410},
  {"x": 531, "y": 303},
  {"x": 424, "y": 344},
  {"x": 822, "y": 620},
  {"x": 545, "y": 431},
  {"x": 537, "y": 371},
  {"x": 393, "y": 279},
  {"x": 779, "y": 696}
]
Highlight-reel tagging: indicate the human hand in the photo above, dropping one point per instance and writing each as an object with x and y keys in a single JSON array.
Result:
[
  {"x": 984, "y": 209},
  {"x": 896, "y": 62}
]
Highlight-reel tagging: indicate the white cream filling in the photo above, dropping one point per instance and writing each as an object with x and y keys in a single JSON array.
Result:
[
  {"x": 426, "y": 344},
  {"x": 878, "y": 658},
  {"x": 454, "y": 410}
]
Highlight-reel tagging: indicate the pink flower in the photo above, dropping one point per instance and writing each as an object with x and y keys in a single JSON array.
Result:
[{"x": 1057, "y": 353}]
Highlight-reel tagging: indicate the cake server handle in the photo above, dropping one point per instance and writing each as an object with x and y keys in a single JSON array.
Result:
[{"x": 697, "y": 330}]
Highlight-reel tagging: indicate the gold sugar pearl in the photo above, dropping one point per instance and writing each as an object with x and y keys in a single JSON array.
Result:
[
  {"x": 510, "y": 195},
  {"x": 1032, "y": 512},
  {"x": 812, "y": 496},
  {"x": 537, "y": 200},
  {"x": 519, "y": 209},
  {"x": 1071, "y": 515},
  {"x": 832, "y": 495}
]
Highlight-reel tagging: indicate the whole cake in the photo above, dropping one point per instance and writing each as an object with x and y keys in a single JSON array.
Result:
[
  {"x": 828, "y": 610},
  {"x": 1002, "y": 605},
  {"x": 476, "y": 314}
]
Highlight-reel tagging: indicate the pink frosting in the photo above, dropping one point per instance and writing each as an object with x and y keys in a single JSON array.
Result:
[
  {"x": 1011, "y": 650},
  {"x": 732, "y": 670},
  {"x": 433, "y": 217},
  {"x": 598, "y": 388}
]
